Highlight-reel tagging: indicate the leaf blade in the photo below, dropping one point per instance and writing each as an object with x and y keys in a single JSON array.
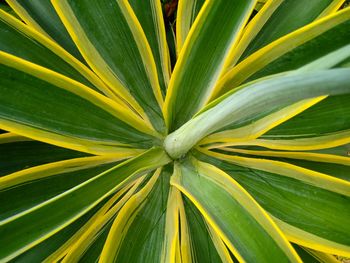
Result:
[
  {"x": 247, "y": 101},
  {"x": 49, "y": 24},
  {"x": 206, "y": 177},
  {"x": 209, "y": 43},
  {"x": 308, "y": 214},
  {"x": 91, "y": 193},
  {"x": 56, "y": 124},
  {"x": 150, "y": 15},
  {"x": 108, "y": 33},
  {"x": 290, "y": 52}
]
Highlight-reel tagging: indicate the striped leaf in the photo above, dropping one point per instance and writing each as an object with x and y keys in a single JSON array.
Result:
[
  {"x": 203, "y": 57},
  {"x": 142, "y": 219},
  {"x": 22, "y": 153},
  {"x": 201, "y": 240},
  {"x": 247, "y": 102},
  {"x": 187, "y": 13},
  {"x": 310, "y": 208},
  {"x": 41, "y": 16},
  {"x": 291, "y": 51},
  {"x": 150, "y": 15},
  {"x": 22, "y": 41},
  {"x": 41, "y": 108},
  {"x": 232, "y": 213},
  {"x": 279, "y": 18},
  {"x": 324, "y": 162},
  {"x": 28, "y": 228},
  {"x": 112, "y": 42},
  {"x": 43, "y": 250}
]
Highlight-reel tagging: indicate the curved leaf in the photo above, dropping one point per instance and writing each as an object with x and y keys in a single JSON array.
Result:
[
  {"x": 334, "y": 165},
  {"x": 22, "y": 153},
  {"x": 258, "y": 127},
  {"x": 138, "y": 232},
  {"x": 291, "y": 51},
  {"x": 114, "y": 45},
  {"x": 245, "y": 103},
  {"x": 232, "y": 213},
  {"x": 20, "y": 40},
  {"x": 187, "y": 12},
  {"x": 150, "y": 15},
  {"x": 309, "y": 214},
  {"x": 30, "y": 227},
  {"x": 289, "y": 16},
  {"x": 41, "y": 16},
  {"x": 308, "y": 122},
  {"x": 42, "y": 104},
  {"x": 203, "y": 57}
]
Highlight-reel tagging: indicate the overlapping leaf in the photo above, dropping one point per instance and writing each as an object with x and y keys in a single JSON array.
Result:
[{"x": 278, "y": 166}]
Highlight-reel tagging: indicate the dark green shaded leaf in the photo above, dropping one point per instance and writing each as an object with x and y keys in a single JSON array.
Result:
[
  {"x": 203, "y": 249},
  {"x": 143, "y": 241},
  {"x": 17, "y": 156},
  {"x": 289, "y": 16},
  {"x": 315, "y": 210},
  {"x": 44, "y": 15}
]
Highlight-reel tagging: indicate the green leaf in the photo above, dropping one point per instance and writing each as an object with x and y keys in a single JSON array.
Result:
[
  {"x": 171, "y": 40},
  {"x": 41, "y": 16},
  {"x": 310, "y": 215},
  {"x": 150, "y": 15},
  {"x": 328, "y": 116},
  {"x": 291, "y": 52},
  {"x": 25, "y": 230},
  {"x": 303, "y": 144},
  {"x": 251, "y": 128},
  {"x": 342, "y": 150},
  {"x": 42, "y": 104},
  {"x": 202, "y": 247},
  {"x": 203, "y": 57},
  {"x": 311, "y": 50},
  {"x": 25, "y": 154},
  {"x": 260, "y": 4},
  {"x": 304, "y": 255},
  {"x": 324, "y": 162},
  {"x": 318, "y": 256},
  {"x": 334, "y": 59},
  {"x": 246, "y": 102},
  {"x": 187, "y": 12},
  {"x": 143, "y": 235},
  {"x": 94, "y": 251},
  {"x": 232, "y": 213},
  {"x": 290, "y": 15},
  {"x": 5, "y": 7},
  {"x": 25, "y": 196},
  {"x": 305, "y": 119},
  {"x": 22, "y": 41},
  {"x": 345, "y": 64},
  {"x": 41, "y": 251},
  {"x": 337, "y": 170},
  {"x": 75, "y": 248},
  {"x": 114, "y": 45}
]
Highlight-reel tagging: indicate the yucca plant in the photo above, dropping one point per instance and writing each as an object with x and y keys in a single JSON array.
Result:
[{"x": 238, "y": 153}]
